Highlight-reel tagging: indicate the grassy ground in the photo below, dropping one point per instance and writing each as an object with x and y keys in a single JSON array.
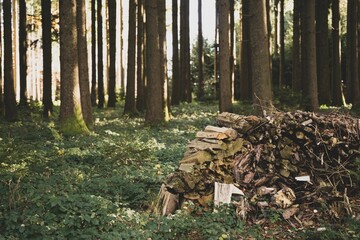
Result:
[{"x": 102, "y": 186}]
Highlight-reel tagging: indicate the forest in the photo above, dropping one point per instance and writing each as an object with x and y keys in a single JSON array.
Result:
[{"x": 116, "y": 123}]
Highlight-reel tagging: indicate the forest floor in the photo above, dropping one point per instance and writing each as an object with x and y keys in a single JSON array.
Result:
[{"x": 103, "y": 185}]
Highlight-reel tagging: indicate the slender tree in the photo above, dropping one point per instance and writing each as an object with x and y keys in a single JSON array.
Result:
[
  {"x": 260, "y": 60},
  {"x": 282, "y": 45},
  {"x": 9, "y": 89},
  {"x": 322, "y": 51},
  {"x": 140, "y": 99},
  {"x": 47, "y": 57},
  {"x": 335, "y": 53},
  {"x": 232, "y": 46},
  {"x": 185, "y": 86},
  {"x": 112, "y": 52},
  {"x": 130, "y": 104},
  {"x": 71, "y": 118},
  {"x": 154, "y": 103},
  {"x": 224, "y": 52},
  {"x": 296, "y": 67},
  {"x": 122, "y": 77},
  {"x": 175, "y": 97},
  {"x": 93, "y": 53},
  {"x": 1, "y": 75},
  {"x": 84, "y": 80},
  {"x": 100, "y": 64},
  {"x": 22, "y": 52},
  {"x": 308, "y": 43},
  {"x": 200, "y": 90}
]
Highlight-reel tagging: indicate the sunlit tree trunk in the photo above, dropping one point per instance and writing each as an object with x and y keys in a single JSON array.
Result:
[
  {"x": 308, "y": 43},
  {"x": 121, "y": 62},
  {"x": 200, "y": 90},
  {"x": 154, "y": 102},
  {"x": 93, "y": 53},
  {"x": 9, "y": 89},
  {"x": 130, "y": 104},
  {"x": 322, "y": 51},
  {"x": 22, "y": 52},
  {"x": 140, "y": 99},
  {"x": 71, "y": 118},
  {"x": 185, "y": 86},
  {"x": 245, "y": 59},
  {"x": 224, "y": 54},
  {"x": 260, "y": 59},
  {"x": 112, "y": 53},
  {"x": 47, "y": 57},
  {"x": 335, "y": 56},
  {"x": 296, "y": 67},
  {"x": 84, "y": 81},
  {"x": 175, "y": 97}
]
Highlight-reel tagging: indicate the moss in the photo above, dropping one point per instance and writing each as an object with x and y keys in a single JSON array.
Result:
[{"x": 74, "y": 125}]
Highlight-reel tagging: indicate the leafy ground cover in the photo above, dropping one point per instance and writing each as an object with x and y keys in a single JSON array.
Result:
[{"x": 102, "y": 186}]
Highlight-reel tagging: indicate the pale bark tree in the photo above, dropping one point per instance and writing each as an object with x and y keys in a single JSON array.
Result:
[
  {"x": 9, "y": 89},
  {"x": 200, "y": 90},
  {"x": 22, "y": 52},
  {"x": 71, "y": 118},
  {"x": 100, "y": 64},
  {"x": 175, "y": 97},
  {"x": 260, "y": 59},
  {"x": 112, "y": 53},
  {"x": 121, "y": 62},
  {"x": 154, "y": 102},
  {"x": 224, "y": 54},
  {"x": 84, "y": 80},
  {"x": 296, "y": 64},
  {"x": 335, "y": 56}
]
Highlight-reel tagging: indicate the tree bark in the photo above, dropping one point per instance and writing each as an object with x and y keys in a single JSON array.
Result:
[
  {"x": 71, "y": 118},
  {"x": 140, "y": 99},
  {"x": 9, "y": 89},
  {"x": 93, "y": 53},
  {"x": 122, "y": 72},
  {"x": 175, "y": 97},
  {"x": 322, "y": 51},
  {"x": 22, "y": 52},
  {"x": 224, "y": 54},
  {"x": 282, "y": 45},
  {"x": 130, "y": 104},
  {"x": 185, "y": 86},
  {"x": 260, "y": 59},
  {"x": 101, "y": 94},
  {"x": 310, "y": 87},
  {"x": 335, "y": 58},
  {"x": 112, "y": 53},
  {"x": 1, "y": 74},
  {"x": 154, "y": 102},
  {"x": 296, "y": 64},
  {"x": 200, "y": 92}
]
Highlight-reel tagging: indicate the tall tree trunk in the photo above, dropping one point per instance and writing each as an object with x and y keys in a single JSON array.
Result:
[
  {"x": 101, "y": 94},
  {"x": 276, "y": 28},
  {"x": 22, "y": 52},
  {"x": 282, "y": 45},
  {"x": 161, "y": 6},
  {"x": 1, "y": 73},
  {"x": 47, "y": 57},
  {"x": 84, "y": 81},
  {"x": 130, "y": 104},
  {"x": 93, "y": 53},
  {"x": 140, "y": 100},
  {"x": 175, "y": 96},
  {"x": 296, "y": 64},
  {"x": 224, "y": 54},
  {"x": 308, "y": 44},
  {"x": 122, "y": 72},
  {"x": 322, "y": 51},
  {"x": 185, "y": 86},
  {"x": 200, "y": 92},
  {"x": 71, "y": 118},
  {"x": 352, "y": 75},
  {"x": 232, "y": 47},
  {"x": 9, "y": 89},
  {"x": 154, "y": 108},
  {"x": 260, "y": 59},
  {"x": 245, "y": 59},
  {"x": 335, "y": 56},
  {"x": 112, "y": 53}
]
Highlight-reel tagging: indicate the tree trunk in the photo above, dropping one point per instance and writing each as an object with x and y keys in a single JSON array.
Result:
[
  {"x": 122, "y": 72},
  {"x": 245, "y": 59},
  {"x": 185, "y": 86},
  {"x": 93, "y": 53},
  {"x": 224, "y": 54},
  {"x": 296, "y": 65},
  {"x": 154, "y": 101},
  {"x": 335, "y": 58},
  {"x": 282, "y": 45},
  {"x": 22, "y": 52},
  {"x": 322, "y": 51},
  {"x": 71, "y": 118},
  {"x": 84, "y": 81},
  {"x": 308, "y": 44},
  {"x": 1, "y": 73},
  {"x": 260, "y": 59},
  {"x": 175, "y": 97},
  {"x": 276, "y": 28},
  {"x": 112, "y": 53},
  {"x": 140, "y": 100},
  {"x": 101, "y": 97},
  {"x": 352, "y": 75},
  {"x": 9, "y": 89},
  {"x": 130, "y": 105},
  {"x": 47, "y": 57},
  {"x": 200, "y": 90},
  {"x": 232, "y": 47}
]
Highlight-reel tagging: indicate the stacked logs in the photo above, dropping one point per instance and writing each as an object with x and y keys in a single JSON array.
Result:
[{"x": 287, "y": 160}]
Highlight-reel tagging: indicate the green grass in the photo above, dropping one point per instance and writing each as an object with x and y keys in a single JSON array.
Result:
[{"x": 102, "y": 185}]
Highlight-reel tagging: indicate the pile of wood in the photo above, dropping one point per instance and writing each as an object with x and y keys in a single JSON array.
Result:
[{"x": 300, "y": 162}]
